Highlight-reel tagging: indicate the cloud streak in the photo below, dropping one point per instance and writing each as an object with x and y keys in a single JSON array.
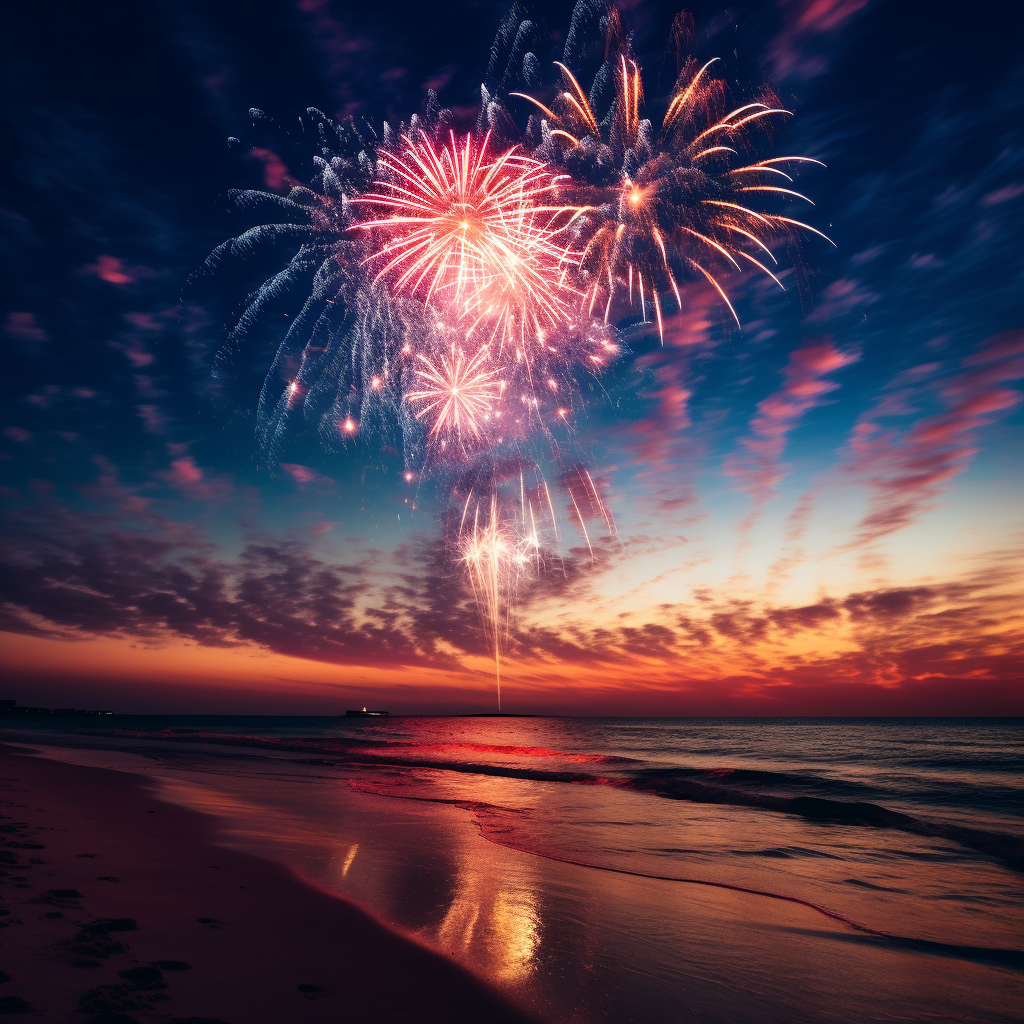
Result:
[
  {"x": 757, "y": 465},
  {"x": 906, "y": 471}
]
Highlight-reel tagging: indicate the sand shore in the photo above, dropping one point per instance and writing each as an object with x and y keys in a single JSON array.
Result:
[{"x": 118, "y": 907}]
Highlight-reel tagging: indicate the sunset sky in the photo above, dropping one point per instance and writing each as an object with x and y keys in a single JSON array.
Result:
[{"x": 817, "y": 514}]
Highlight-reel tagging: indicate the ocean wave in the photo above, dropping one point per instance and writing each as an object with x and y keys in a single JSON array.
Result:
[
  {"x": 493, "y": 825},
  {"x": 672, "y": 785},
  {"x": 344, "y": 744},
  {"x": 723, "y": 785}
]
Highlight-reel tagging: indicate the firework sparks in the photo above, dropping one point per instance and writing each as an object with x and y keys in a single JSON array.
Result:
[
  {"x": 678, "y": 209},
  {"x": 458, "y": 392},
  {"x": 474, "y": 230},
  {"x": 586, "y": 502},
  {"x": 496, "y": 551}
]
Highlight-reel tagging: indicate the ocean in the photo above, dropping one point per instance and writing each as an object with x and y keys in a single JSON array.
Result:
[{"x": 635, "y": 870}]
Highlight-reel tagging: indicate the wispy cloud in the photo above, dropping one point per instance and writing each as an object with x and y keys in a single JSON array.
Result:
[
  {"x": 68, "y": 575},
  {"x": 757, "y": 464},
  {"x": 907, "y": 470},
  {"x": 796, "y": 51}
]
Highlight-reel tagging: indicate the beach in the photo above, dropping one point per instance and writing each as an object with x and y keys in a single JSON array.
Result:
[
  {"x": 572, "y": 871},
  {"x": 88, "y": 845}
]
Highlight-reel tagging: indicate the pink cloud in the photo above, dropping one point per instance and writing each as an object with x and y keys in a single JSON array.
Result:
[
  {"x": 135, "y": 354},
  {"x": 692, "y": 324},
  {"x": 304, "y": 475},
  {"x": 110, "y": 269},
  {"x": 197, "y": 485},
  {"x": 23, "y": 327},
  {"x": 1005, "y": 345},
  {"x": 757, "y": 466},
  {"x": 153, "y": 418},
  {"x": 143, "y": 321},
  {"x": 662, "y": 439},
  {"x": 658, "y": 430},
  {"x": 792, "y": 50},
  {"x": 1003, "y": 195},
  {"x": 440, "y": 78},
  {"x": 840, "y": 297},
  {"x": 345, "y": 50},
  {"x": 185, "y": 471},
  {"x": 907, "y": 471},
  {"x": 46, "y": 398},
  {"x": 275, "y": 173},
  {"x": 819, "y": 16}
]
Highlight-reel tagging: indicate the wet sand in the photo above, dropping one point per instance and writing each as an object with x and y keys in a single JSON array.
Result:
[{"x": 117, "y": 903}]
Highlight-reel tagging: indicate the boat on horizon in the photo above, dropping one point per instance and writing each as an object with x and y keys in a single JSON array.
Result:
[{"x": 367, "y": 714}]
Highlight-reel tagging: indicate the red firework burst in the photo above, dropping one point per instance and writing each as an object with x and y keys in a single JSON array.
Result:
[{"x": 474, "y": 230}]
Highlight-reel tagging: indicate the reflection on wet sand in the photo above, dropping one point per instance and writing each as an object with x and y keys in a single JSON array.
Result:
[
  {"x": 493, "y": 925},
  {"x": 349, "y": 857},
  {"x": 491, "y": 920},
  {"x": 581, "y": 946}
]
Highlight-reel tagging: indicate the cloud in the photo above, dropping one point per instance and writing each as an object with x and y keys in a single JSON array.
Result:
[
  {"x": 194, "y": 482},
  {"x": 906, "y": 471},
  {"x": 275, "y": 172},
  {"x": 66, "y": 575},
  {"x": 1003, "y": 195},
  {"x": 111, "y": 270},
  {"x": 661, "y": 441},
  {"x": 184, "y": 471},
  {"x": 841, "y": 297},
  {"x": 794, "y": 53},
  {"x": 796, "y": 527},
  {"x": 24, "y": 327},
  {"x": 304, "y": 475},
  {"x": 905, "y": 648},
  {"x": 757, "y": 464},
  {"x": 657, "y": 437},
  {"x": 153, "y": 418}
]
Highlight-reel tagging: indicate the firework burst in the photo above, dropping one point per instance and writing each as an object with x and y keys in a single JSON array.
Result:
[
  {"x": 464, "y": 228},
  {"x": 667, "y": 205},
  {"x": 457, "y": 392}
]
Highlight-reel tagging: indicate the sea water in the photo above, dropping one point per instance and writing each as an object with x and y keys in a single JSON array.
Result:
[{"x": 649, "y": 870}]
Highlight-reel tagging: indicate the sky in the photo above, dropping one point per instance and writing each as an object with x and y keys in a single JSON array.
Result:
[{"x": 818, "y": 513}]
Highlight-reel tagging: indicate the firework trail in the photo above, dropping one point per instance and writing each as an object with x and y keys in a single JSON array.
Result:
[
  {"x": 496, "y": 551},
  {"x": 457, "y": 286}
]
